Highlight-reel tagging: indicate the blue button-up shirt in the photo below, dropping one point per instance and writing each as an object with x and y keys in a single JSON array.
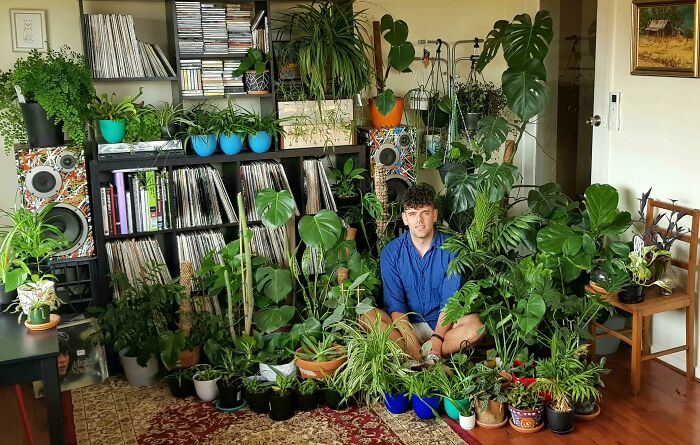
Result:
[{"x": 415, "y": 284}]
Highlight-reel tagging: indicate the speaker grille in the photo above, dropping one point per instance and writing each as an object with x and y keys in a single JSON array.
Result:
[{"x": 72, "y": 224}]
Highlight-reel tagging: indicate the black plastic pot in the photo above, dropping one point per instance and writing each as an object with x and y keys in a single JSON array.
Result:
[
  {"x": 585, "y": 408},
  {"x": 6, "y": 297},
  {"x": 41, "y": 132},
  {"x": 631, "y": 295},
  {"x": 230, "y": 396},
  {"x": 182, "y": 388},
  {"x": 307, "y": 402},
  {"x": 257, "y": 402},
  {"x": 333, "y": 399},
  {"x": 472, "y": 121},
  {"x": 168, "y": 132},
  {"x": 560, "y": 423},
  {"x": 281, "y": 407}
]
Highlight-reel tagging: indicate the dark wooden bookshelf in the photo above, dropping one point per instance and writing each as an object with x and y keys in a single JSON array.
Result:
[
  {"x": 134, "y": 79},
  {"x": 224, "y": 96}
]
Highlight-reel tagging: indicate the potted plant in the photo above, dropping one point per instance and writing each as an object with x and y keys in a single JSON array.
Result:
[
  {"x": 526, "y": 406},
  {"x": 345, "y": 186},
  {"x": 143, "y": 126},
  {"x": 56, "y": 88},
  {"x": 396, "y": 396},
  {"x": 233, "y": 127},
  {"x": 257, "y": 75},
  {"x": 169, "y": 116},
  {"x": 489, "y": 397},
  {"x": 457, "y": 388},
  {"x": 36, "y": 298},
  {"x": 437, "y": 114},
  {"x": 424, "y": 387},
  {"x": 230, "y": 383},
  {"x": 307, "y": 395},
  {"x": 11, "y": 124},
  {"x": 180, "y": 382},
  {"x": 319, "y": 357},
  {"x": 334, "y": 391},
  {"x": 587, "y": 406},
  {"x": 277, "y": 357},
  {"x": 263, "y": 130},
  {"x": 199, "y": 127},
  {"x": 281, "y": 397},
  {"x": 641, "y": 266},
  {"x": 112, "y": 116},
  {"x": 256, "y": 394},
  {"x": 205, "y": 382},
  {"x": 386, "y": 110},
  {"x": 477, "y": 98},
  {"x": 567, "y": 379}
]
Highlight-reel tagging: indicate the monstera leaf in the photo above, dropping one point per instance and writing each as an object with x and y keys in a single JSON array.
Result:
[
  {"x": 499, "y": 177},
  {"x": 273, "y": 282},
  {"x": 526, "y": 39},
  {"x": 493, "y": 41},
  {"x": 462, "y": 188},
  {"x": 544, "y": 199},
  {"x": 402, "y": 52},
  {"x": 491, "y": 133},
  {"x": 272, "y": 318},
  {"x": 274, "y": 208},
  {"x": 321, "y": 230},
  {"x": 525, "y": 89}
]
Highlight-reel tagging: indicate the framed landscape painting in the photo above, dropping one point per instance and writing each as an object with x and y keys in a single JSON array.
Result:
[{"x": 665, "y": 38}]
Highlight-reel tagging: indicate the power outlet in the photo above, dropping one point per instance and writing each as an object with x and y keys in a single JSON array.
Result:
[{"x": 614, "y": 111}]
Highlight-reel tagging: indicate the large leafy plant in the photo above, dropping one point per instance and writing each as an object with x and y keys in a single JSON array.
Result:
[
  {"x": 11, "y": 125},
  {"x": 60, "y": 81},
  {"x": 106, "y": 106},
  {"x": 345, "y": 179},
  {"x": 401, "y": 54}
]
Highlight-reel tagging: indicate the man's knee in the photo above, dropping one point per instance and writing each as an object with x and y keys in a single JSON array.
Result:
[
  {"x": 369, "y": 319},
  {"x": 472, "y": 326}
]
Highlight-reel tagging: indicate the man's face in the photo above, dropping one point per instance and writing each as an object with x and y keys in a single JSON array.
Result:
[
  {"x": 63, "y": 361},
  {"x": 420, "y": 220}
]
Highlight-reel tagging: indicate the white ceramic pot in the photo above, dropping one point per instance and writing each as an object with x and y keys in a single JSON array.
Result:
[
  {"x": 206, "y": 389},
  {"x": 418, "y": 100},
  {"x": 268, "y": 374},
  {"x": 136, "y": 374},
  {"x": 29, "y": 295},
  {"x": 467, "y": 422}
]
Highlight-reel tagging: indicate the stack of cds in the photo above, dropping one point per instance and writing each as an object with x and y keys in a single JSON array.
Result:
[
  {"x": 189, "y": 27},
  {"x": 214, "y": 29},
  {"x": 238, "y": 20}
]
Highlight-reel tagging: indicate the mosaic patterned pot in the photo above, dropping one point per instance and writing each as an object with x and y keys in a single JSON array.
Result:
[
  {"x": 258, "y": 83},
  {"x": 527, "y": 418}
]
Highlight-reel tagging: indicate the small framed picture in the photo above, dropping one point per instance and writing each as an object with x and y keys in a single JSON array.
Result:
[{"x": 28, "y": 29}]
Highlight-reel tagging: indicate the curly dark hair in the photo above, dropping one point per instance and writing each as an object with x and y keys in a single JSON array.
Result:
[{"x": 417, "y": 196}]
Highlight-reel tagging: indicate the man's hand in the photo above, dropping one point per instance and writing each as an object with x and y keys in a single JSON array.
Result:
[{"x": 436, "y": 346}]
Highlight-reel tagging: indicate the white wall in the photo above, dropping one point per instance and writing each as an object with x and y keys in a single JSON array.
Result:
[{"x": 656, "y": 146}]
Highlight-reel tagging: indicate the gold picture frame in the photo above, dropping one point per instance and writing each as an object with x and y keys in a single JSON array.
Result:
[{"x": 665, "y": 38}]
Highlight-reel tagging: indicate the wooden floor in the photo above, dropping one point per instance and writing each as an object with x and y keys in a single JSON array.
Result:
[{"x": 666, "y": 412}]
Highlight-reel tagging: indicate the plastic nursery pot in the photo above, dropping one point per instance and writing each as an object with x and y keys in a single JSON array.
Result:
[
  {"x": 472, "y": 121},
  {"x": 206, "y": 390},
  {"x": 204, "y": 144},
  {"x": 260, "y": 142},
  {"x": 392, "y": 119},
  {"x": 232, "y": 144},
  {"x": 41, "y": 131},
  {"x": 527, "y": 418},
  {"x": 257, "y": 402},
  {"x": 333, "y": 399},
  {"x": 560, "y": 422},
  {"x": 631, "y": 295},
  {"x": 396, "y": 403},
  {"x": 112, "y": 131},
  {"x": 6, "y": 297},
  {"x": 281, "y": 407},
  {"x": 39, "y": 315},
  {"x": 136, "y": 374},
  {"x": 467, "y": 422},
  {"x": 451, "y": 410},
  {"x": 307, "y": 402},
  {"x": 230, "y": 396},
  {"x": 268, "y": 374},
  {"x": 181, "y": 389},
  {"x": 425, "y": 407}
]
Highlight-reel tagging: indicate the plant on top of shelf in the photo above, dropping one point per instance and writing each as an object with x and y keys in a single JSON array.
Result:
[
  {"x": 168, "y": 116},
  {"x": 112, "y": 116},
  {"x": 345, "y": 180},
  {"x": 257, "y": 75},
  {"x": 386, "y": 109},
  {"x": 61, "y": 83},
  {"x": 329, "y": 39},
  {"x": 263, "y": 130},
  {"x": 198, "y": 125},
  {"x": 143, "y": 126}
]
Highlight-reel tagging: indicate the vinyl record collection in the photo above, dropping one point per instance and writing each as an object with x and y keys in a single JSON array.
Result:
[
  {"x": 201, "y": 198},
  {"x": 318, "y": 190},
  {"x": 194, "y": 246},
  {"x": 133, "y": 257},
  {"x": 270, "y": 243},
  {"x": 261, "y": 175}
]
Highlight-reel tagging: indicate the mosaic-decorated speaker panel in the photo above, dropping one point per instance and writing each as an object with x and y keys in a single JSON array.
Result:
[
  {"x": 403, "y": 141},
  {"x": 58, "y": 175}
]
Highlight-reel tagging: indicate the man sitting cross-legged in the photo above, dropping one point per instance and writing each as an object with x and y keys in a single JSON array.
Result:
[{"x": 414, "y": 275}]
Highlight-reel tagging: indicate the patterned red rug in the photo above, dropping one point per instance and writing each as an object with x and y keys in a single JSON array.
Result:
[{"x": 115, "y": 413}]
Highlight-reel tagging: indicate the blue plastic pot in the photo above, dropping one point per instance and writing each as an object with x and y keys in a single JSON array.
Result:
[
  {"x": 204, "y": 144},
  {"x": 396, "y": 403},
  {"x": 260, "y": 142},
  {"x": 231, "y": 145},
  {"x": 452, "y": 410},
  {"x": 425, "y": 407},
  {"x": 112, "y": 131}
]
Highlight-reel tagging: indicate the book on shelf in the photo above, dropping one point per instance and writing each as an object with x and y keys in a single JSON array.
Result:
[
  {"x": 201, "y": 198},
  {"x": 256, "y": 176},
  {"x": 138, "y": 200},
  {"x": 134, "y": 256},
  {"x": 115, "y": 52}
]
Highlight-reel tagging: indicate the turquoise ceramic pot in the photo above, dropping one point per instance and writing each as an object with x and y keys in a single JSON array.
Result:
[{"x": 113, "y": 131}]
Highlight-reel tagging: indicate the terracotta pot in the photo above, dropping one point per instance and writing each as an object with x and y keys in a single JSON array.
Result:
[
  {"x": 494, "y": 414},
  {"x": 317, "y": 370},
  {"x": 350, "y": 233},
  {"x": 392, "y": 119},
  {"x": 188, "y": 358}
]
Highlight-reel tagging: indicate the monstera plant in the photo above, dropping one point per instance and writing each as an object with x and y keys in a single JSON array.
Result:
[{"x": 525, "y": 44}]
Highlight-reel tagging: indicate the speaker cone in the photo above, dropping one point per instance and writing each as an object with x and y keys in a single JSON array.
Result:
[
  {"x": 71, "y": 223},
  {"x": 67, "y": 161},
  {"x": 43, "y": 182},
  {"x": 388, "y": 155},
  {"x": 405, "y": 140},
  {"x": 396, "y": 186}
]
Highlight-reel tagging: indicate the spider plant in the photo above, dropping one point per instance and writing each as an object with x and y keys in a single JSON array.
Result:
[
  {"x": 320, "y": 350},
  {"x": 307, "y": 387}
]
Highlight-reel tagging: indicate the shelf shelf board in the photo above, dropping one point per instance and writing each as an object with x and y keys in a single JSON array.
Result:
[
  {"x": 225, "y": 96},
  {"x": 136, "y": 234},
  {"x": 209, "y": 227},
  {"x": 135, "y": 79}
]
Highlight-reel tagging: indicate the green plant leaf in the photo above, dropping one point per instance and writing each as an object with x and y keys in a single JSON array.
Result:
[
  {"x": 572, "y": 245},
  {"x": 364, "y": 306},
  {"x": 445, "y": 105},
  {"x": 620, "y": 249},
  {"x": 551, "y": 239},
  {"x": 321, "y": 230},
  {"x": 526, "y": 40},
  {"x": 499, "y": 177},
  {"x": 531, "y": 311},
  {"x": 170, "y": 344},
  {"x": 491, "y": 133},
  {"x": 462, "y": 188},
  {"x": 434, "y": 160},
  {"x": 620, "y": 223},
  {"x": 525, "y": 90},
  {"x": 544, "y": 199},
  {"x": 396, "y": 32},
  {"x": 588, "y": 244},
  {"x": 401, "y": 56},
  {"x": 335, "y": 317},
  {"x": 386, "y": 101},
  {"x": 273, "y": 318},
  {"x": 274, "y": 208},
  {"x": 275, "y": 283},
  {"x": 601, "y": 203},
  {"x": 386, "y": 22},
  {"x": 493, "y": 41}
]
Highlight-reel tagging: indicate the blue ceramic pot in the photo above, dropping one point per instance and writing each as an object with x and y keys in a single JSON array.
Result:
[
  {"x": 112, "y": 131},
  {"x": 260, "y": 142},
  {"x": 451, "y": 407},
  {"x": 396, "y": 403},
  {"x": 231, "y": 145},
  {"x": 204, "y": 144},
  {"x": 425, "y": 407}
]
